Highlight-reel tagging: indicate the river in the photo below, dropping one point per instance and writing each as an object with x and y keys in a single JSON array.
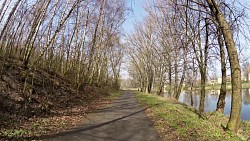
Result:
[{"x": 212, "y": 98}]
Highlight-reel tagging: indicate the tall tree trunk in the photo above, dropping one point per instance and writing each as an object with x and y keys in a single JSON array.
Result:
[
  {"x": 203, "y": 69},
  {"x": 160, "y": 91},
  {"x": 175, "y": 76},
  {"x": 9, "y": 17},
  {"x": 150, "y": 83},
  {"x": 170, "y": 77},
  {"x": 81, "y": 51},
  {"x": 183, "y": 74},
  {"x": 90, "y": 66},
  {"x": 29, "y": 45},
  {"x": 57, "y": 31},
  {"x": 2, "y": 7},
  {"x": 191, "y": 99},
  {"x": 221, "y": 101},
  {"x": 202, "y": 91},
  {"x": 234, "y": 120}
]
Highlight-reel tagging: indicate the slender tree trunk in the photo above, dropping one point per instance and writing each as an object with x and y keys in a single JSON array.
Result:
[
  {"x": 90, "y": 67},
  {"x": 2, "y": 7},
  {"x": 33, "y": 34},
  {"x": 183, "y": 75},
  {"x": 191, "y": 98},
  {"x": 160, "y": 91},
  {"x": 150, "y": 82},
  {"x": 9, "y": 17},
  {"x": 81, "y": 51},
  {"x": 202, "y": 91},
  {"x": 58, "y": 29},
  {"x": 170, "y": 77},
  {"x": 175, "y": 77},
  {"x": 185, "y": 57},
  {"x": 234, "y": 120},
  {"x": 203, "y": 69},
  {"x": 221, "y": 101}
]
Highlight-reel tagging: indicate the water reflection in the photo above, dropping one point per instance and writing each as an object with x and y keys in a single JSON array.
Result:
[
  {"x": 246, "y": 96},
  {"x": 193, "y": 98}
]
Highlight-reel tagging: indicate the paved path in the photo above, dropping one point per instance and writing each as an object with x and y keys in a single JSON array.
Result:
[{"x": 123, "y": 120}]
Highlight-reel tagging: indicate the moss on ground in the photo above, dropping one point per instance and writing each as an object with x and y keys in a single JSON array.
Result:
[{"x": 187, "y": 123}]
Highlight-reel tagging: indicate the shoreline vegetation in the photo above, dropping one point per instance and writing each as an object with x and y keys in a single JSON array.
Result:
[
  {"x": 245, "y": 85},
  {"x": 173, "y": 119}
]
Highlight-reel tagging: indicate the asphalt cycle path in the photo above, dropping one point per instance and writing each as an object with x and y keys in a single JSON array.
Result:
[{"x": 122, "y": 120}]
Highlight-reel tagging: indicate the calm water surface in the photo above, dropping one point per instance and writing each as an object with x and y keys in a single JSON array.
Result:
[{"x": 212, "y": 98}]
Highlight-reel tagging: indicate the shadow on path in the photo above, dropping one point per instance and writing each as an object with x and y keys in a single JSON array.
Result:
[
  {"x": 80, "y": 129},
  {"x": 123, "y": 120}
]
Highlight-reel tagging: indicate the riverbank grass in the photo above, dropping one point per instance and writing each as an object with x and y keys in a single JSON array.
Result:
[{"x": 185, "y": 122}]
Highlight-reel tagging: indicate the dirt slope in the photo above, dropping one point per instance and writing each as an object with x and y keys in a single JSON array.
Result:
[{"x": 47, "y": 94}]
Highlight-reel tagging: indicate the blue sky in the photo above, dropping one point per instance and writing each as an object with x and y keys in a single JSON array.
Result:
[{"x": 137, "y": 14}]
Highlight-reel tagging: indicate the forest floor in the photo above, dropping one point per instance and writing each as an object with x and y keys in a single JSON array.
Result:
[
  {"x": 185, "y": 123},
  {"x": 49, "y": 104}
]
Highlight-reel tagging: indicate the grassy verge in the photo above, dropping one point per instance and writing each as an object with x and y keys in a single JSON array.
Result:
[{"x": 172, "y": 117}]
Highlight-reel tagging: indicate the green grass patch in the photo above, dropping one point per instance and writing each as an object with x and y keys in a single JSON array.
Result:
[
  {"x": 186, "y": 121},
  {"x": 245, "y": 128},
  {"x": 115, "y": 94},
  {"x": 14, "y": 132}
]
